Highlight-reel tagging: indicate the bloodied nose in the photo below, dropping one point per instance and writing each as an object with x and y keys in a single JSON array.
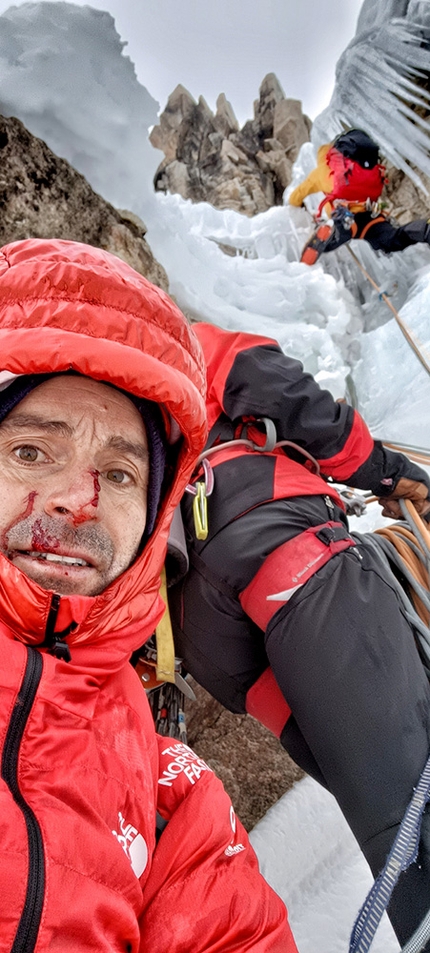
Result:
[{"x": 75, "y": 495}]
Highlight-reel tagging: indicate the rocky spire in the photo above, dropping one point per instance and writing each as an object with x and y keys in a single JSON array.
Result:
[{"x": 208, "y": 158}]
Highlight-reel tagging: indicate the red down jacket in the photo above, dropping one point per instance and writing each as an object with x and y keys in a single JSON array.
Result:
[{"x": 82, "y": 770}]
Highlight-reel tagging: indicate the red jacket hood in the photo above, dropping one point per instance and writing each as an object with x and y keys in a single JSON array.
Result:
[{"x": 64, "y": 306}]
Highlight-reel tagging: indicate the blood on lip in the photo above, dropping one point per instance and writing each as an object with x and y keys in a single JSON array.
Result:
[{"x": 41, "y": 540}]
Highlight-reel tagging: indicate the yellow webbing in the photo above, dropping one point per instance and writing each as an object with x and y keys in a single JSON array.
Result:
[{"x": 165, "y": 670}]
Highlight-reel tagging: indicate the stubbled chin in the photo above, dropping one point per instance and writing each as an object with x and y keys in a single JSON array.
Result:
[{"x": 66, "y": 580}]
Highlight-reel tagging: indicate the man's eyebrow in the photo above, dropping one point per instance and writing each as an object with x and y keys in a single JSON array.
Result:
[
  {"x": 129, "y": 447},
  {"x": 28, "y": 421}
]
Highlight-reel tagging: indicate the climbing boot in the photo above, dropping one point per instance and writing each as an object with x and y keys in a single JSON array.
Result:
[{"x": 317, "y": 244}]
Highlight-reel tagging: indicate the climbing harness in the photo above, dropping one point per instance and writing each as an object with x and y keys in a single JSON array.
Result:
[
  {"x": 416, "y": 345},
  {"x": 289, "y": 567},
  {"x": 203, "y": 488},
  {"x": 343, "y": 216},
  {"x": 160, "y": 672},
  {"x": 391, "y": 545}
]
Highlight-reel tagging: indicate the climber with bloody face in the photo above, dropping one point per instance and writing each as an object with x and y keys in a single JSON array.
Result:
[
  {"x": 102, "y": 418},
  {"x": 73, "y": 503}
]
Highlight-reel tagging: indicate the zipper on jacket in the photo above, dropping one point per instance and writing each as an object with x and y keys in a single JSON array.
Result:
[
  {"x": 54, "y": 640},
  {"x": 28, "y": 927}
]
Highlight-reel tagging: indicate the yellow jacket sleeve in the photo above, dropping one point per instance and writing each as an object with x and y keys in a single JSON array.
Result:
[{"x": 319, "y": 180}]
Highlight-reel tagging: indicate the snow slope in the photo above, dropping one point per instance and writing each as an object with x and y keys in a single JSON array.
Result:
[
  {"x": 310, "y": 857},
  {"x": 63, "y": 72}
]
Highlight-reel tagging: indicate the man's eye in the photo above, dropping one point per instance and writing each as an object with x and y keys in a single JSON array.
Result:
[
  {"x": 28, "y": 454},
  {"x": 118, "y": 476}
]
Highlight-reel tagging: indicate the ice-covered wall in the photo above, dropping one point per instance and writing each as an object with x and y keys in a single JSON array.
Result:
[
  {"x": 379, "y": 73},
  {"x": 64, "y": 73}
]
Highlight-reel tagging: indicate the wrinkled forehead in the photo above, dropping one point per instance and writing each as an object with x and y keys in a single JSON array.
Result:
[
  {"x": 65, "y": 396},
  {"x": 70, "y": 406}
]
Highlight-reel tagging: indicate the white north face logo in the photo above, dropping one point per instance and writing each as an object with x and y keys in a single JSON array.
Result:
[{"x": 133, "y": 845}]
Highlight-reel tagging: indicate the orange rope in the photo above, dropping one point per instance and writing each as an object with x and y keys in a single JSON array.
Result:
[
  {"x": 418, "y": 456},
  {"x": 397, "y": 536}
]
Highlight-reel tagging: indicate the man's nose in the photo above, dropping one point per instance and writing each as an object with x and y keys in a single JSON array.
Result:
[{"x": 75, "y": 494}]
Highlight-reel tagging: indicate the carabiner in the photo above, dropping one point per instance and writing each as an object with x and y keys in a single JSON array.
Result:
[
  {"x": 200, "y": 511},
  {"x": 271, "y": 436}
]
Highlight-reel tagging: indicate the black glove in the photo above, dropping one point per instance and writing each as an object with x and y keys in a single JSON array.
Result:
[{"x": 392, "y": 476}]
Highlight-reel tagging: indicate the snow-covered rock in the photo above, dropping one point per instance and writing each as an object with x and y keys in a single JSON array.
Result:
[{"x": 64, "y": 74}]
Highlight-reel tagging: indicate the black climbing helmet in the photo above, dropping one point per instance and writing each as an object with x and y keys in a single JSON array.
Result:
[{"x": 357, "y": 145}]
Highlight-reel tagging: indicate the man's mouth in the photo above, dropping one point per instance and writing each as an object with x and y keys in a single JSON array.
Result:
[
  {"x": 55, "y": 558},
  {"x": 58, "y": 558}
]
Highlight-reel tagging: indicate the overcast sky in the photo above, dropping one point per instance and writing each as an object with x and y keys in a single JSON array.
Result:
[{"x": 228, "y": 46}]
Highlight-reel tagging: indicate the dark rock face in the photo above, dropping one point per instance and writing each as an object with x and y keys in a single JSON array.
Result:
[
  {"x": 42, "y": 196},
  {"x": 405, "y": 201},
  {"x": 209, "y": 159},
  {"x": 254, "y": 768}
]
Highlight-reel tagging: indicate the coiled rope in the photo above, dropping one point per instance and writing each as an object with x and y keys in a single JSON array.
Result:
[{"x": 407, "y": 545}]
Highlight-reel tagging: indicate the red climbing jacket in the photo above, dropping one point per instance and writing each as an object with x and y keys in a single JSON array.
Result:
[
  {"x": 351, "y": 181},
  {"x": 244, "y": 382},
  {"x": 347, "y": 169},
  {"x": 357, "y": 176}
]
